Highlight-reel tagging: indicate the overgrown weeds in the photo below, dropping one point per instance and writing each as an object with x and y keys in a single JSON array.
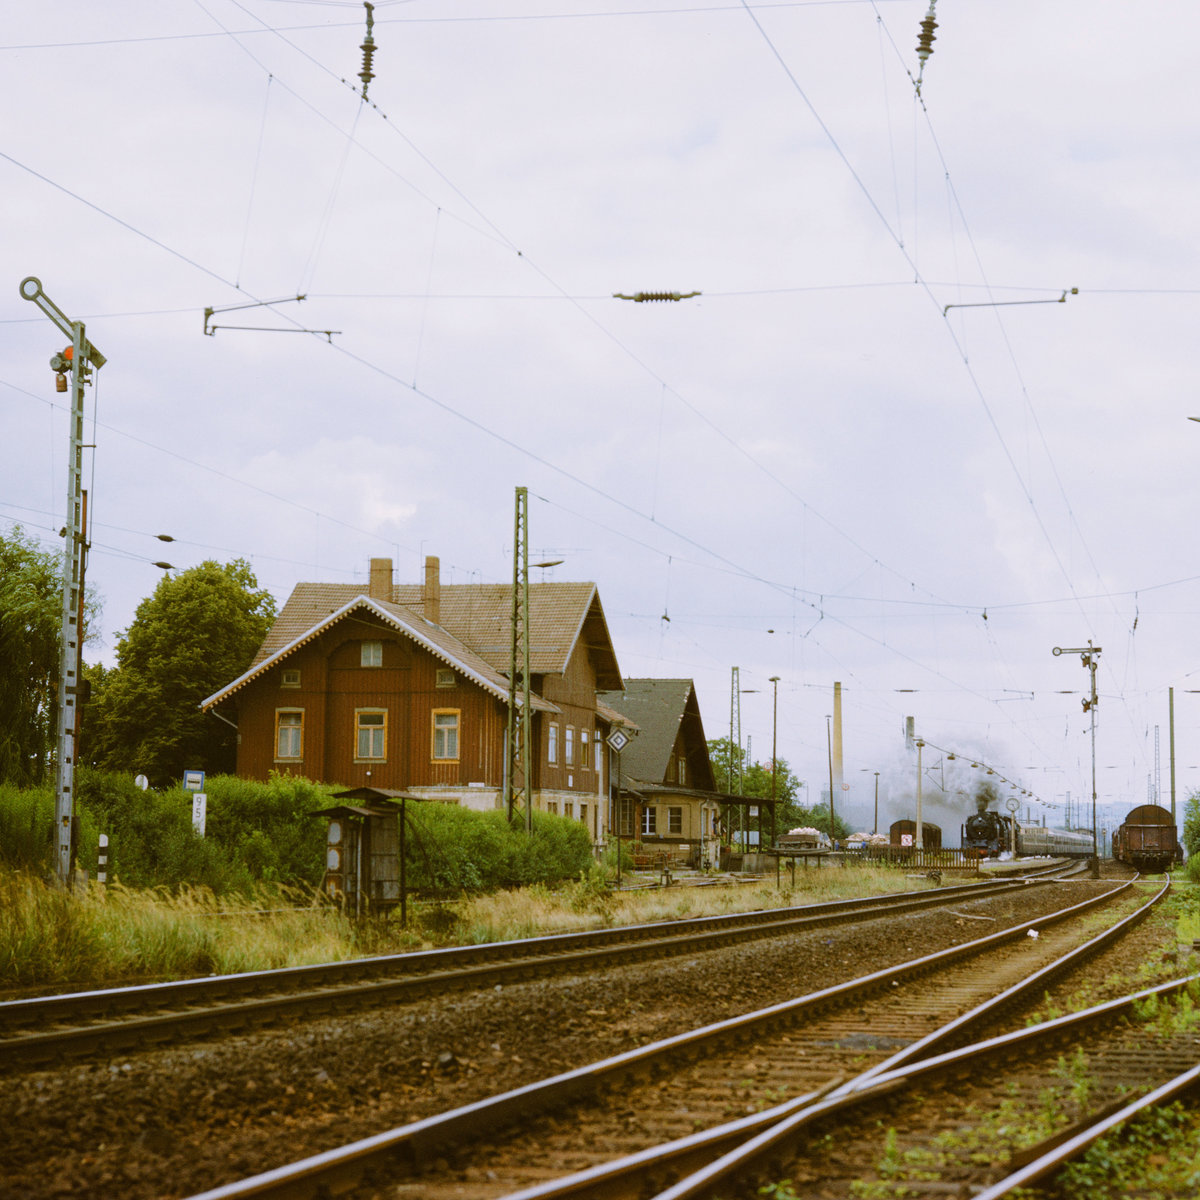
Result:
[{"x": 54, "y": 938}]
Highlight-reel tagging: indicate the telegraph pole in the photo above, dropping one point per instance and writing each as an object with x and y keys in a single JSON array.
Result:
[{"x": 78, "y": 359}]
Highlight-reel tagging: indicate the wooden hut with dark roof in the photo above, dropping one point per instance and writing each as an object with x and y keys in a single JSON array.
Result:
[{"x": 405, "y": 687}]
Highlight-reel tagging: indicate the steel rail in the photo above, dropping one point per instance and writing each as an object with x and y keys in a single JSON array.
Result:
[
  {"x": 203, "y": 1012},
  {"x": 706, "y": 1146},
  {"x": 423, "y": 1140},
  {"x": 705, "y": 1182},
  {"x": 748, "y": 1157},
  {"x": 71, "y": 1005},
  {"x": 244, "y": 983},
  {"x": 1060, "y": 1155}
]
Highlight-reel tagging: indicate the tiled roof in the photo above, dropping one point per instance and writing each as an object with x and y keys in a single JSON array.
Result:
[
  {"x": 476, "y": 616},
  {"x": 658, "y": 707},
  {"x": 611, "y": 715},
  {"x": 433, "y": 638}
]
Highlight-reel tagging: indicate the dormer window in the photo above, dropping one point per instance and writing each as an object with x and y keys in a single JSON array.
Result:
[{"x": 372, "y": 654}]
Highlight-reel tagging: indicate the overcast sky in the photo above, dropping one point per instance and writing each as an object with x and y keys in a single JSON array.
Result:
[{"x": 815, "y": 469}]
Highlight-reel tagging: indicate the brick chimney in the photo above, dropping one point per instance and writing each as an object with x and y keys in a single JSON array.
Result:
[
  {"x": 381, "y": 579},
  {"x": 432, "y": 595}
]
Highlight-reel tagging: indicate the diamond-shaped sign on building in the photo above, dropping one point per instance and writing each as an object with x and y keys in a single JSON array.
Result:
[{"x": 618, "y": 739}]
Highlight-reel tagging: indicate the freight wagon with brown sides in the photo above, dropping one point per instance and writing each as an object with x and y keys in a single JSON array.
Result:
[{"x": 1147, "y": 839}]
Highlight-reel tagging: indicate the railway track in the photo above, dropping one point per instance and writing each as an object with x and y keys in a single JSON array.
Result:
[
  {"x": 1099, "y": 1065},
  {"x": 660, "y": 1109},
  {"x": 51, "y": 1028}
]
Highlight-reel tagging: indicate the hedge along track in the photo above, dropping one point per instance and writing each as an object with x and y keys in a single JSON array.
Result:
[
  {"x": 44, "y": 1029},
  {"x": 604, "y": 1110}
]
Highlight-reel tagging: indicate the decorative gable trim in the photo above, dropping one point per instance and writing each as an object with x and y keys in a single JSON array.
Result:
[{"x": 497, "y": 686}]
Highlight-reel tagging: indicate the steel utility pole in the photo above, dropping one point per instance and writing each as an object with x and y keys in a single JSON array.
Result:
[
  {"x": 774, "y": 765},
  {"x": 1171, "y": 728},
  {"x": 79, "y": 358},
  {"x": 1089, "y": 655},
  {"x": 919, "y": 839},
  {"x": 517, "y": 733},
  {"x": 829, "y": 750}
]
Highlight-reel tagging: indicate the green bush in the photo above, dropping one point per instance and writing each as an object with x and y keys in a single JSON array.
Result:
[
  {"x": 266, "y": 833},
  {"x": 27, "y": 827},
  {"x": 268, "y": 827},
  {"x": 450, "y": 849},
  {"x": 254, "y": 832}
]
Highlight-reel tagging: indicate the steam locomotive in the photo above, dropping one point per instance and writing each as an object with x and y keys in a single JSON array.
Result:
[
  {"x": 1147, "y": 839},
  {"x": 993, "y": 833}
]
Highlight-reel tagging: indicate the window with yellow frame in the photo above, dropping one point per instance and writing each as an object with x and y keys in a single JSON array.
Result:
[
  {"x": 289, "y": 734},
  {"x": 370, "y": 728},
  {"x": 445, "y": 734}
]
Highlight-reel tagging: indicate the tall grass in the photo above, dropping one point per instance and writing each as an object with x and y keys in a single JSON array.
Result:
[
  {"x": 27, "y": 826},
  {"x": 54, "y": 938},
  {"x": 588, "y": 904}
]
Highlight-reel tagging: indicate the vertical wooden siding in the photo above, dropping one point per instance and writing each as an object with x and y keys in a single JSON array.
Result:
[{"x": 334, "y": 685}]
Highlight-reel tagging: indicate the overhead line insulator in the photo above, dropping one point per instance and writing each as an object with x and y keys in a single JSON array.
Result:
[
  {"x": 925, "y": 40},
  {"x": 643, "y": 297},
  {"x": 368, "y": 50}
]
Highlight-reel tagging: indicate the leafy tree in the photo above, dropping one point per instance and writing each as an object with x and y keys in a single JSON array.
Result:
[
  {"x": 756, "y": 780},
  {"x": 199, "y": 630},
  {"x": 1191, "y": 824},
  {"x": 817, "y": 817},
  {"x": 30, "y": 619}
]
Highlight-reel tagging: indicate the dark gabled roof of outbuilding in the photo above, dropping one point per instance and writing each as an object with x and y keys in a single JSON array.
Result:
[{"x": 659, "y": 707}]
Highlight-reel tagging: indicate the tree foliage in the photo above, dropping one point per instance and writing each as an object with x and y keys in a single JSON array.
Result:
[
  {"x": 266, "y": 833},
  {"x": 1191, "y": 824},
  {"x": 729, "y": 761},
  {"x": 197, "y": 632},
  {"x": 30, "y": 616}
]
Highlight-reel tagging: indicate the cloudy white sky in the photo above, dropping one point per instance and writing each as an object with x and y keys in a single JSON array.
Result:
[{"x": 814, "y": 469}]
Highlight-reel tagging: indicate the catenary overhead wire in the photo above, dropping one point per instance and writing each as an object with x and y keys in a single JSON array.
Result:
[
  {"x": 1028, "y": 401},
  {"x": 590, "y": 317},
  {"x": 620, "y": 14},
  {"x": 968, "y": 607},
  {"x": 262, "y": 129},
  {"x": 911, "y": 260},
  {"x": 865, "y": 191},
  {"x": 698, "y": 544}
]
